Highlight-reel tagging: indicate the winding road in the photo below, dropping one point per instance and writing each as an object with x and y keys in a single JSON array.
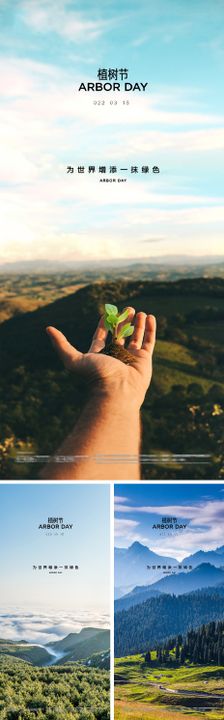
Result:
[{"x": 189, "y": 693}]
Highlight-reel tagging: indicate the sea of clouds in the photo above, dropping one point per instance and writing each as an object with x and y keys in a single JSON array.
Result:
[{"x": 43, "y": 627}]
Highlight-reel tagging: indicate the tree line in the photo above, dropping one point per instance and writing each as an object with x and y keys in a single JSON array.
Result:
[{"x": 203, "y": 645}]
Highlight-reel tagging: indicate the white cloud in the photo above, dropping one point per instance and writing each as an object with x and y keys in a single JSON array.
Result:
[
  {"x": 191, "y": 216},
  {"x": 166, "y": 32},
  {"x": 44, "y": 16},
  {"x": 39, "y": 627},
  {"x": 127, "y": 532},
  {"x": 122, "y": 499},
  {"x": 205, "y": 510},
  {"x": 186, "y": 511},
  {"x": 204, "y": 527},
  {"x": 122, "y": 526},
  {"x": 187, "y": 141}
]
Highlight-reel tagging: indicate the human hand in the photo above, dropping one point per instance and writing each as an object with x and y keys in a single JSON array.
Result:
[{"x": 106, "y": 375}]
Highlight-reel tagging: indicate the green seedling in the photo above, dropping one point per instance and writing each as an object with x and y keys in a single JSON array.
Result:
[{"x": 112, "y": 320}]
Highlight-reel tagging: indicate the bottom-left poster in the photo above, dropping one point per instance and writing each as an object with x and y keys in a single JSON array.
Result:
[{"x": 55, "y": 601}]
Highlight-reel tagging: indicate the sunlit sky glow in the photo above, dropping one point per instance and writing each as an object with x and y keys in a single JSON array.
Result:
[
  {"x": 47, "y": 49},
  {"x": 83, "y": 593}
]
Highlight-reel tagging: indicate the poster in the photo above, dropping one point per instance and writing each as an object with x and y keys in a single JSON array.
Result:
[
  {"x": 111, "y": 191},
  {"x": 169, "y": 601},
  {"x": 55, "y": 602}
]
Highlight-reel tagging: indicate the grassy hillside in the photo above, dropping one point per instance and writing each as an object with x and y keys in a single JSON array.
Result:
[
  {"x": 98, "y": 642},
  {"x": 23, "y": 293},
  {"x": 143, "y": 692},
  {"x": 71, "y": 692},
  {"x": 69, "y": 642},
  {"x": 34, "y": 655},
  {"x": 182, "y": 412},
  {"x": 100, "y": 660}
]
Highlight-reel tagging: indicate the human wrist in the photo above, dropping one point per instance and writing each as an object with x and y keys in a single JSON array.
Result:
[{"x": 115, "y": 400}]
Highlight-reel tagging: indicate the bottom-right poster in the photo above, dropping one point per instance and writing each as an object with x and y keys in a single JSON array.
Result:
[{"x": 169, "y": 601}]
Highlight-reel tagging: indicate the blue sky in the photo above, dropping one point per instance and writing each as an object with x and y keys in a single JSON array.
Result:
[
  {"x": 47, "y": 49},
  {"x": 199, "y": 506},
  {"x": 81, "y": 595}
]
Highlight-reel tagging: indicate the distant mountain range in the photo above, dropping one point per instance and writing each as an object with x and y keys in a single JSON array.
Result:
[
  {"x": 138, "y": 595},
  {"x": 131, "y": 565},
  {"x": 90, "y": 646},
  {"x": 131, "y": 571},
  {"x": 182, "y": 264},
  {"x": 215, "y": 557},
  {"x": 203, "y": 576}
]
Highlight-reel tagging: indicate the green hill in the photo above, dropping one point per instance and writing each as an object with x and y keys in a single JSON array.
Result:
[
  {"x": 79, "y": 646},
  {"x": 31, "y": 653},
  {"x": 70, "y": 641},
  {"x": 100, "y": 660}
]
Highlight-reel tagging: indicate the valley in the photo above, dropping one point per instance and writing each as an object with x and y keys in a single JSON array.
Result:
[{"x": 86, "y": 646}]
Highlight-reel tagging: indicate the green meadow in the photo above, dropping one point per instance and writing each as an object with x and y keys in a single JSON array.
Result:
[{"x": 145, "y": 693}]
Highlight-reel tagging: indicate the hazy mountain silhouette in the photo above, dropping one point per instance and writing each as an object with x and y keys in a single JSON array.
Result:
[
  {"x": 206, "y": 556},
  {"x": 131, "y": 565},
  {"x": 205, "y": 575}
]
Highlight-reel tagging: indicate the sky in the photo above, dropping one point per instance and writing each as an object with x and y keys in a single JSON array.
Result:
[
  {"x": 46, "y": 124},
  {"x": 199, "y": 506},
  {"x": 34, "y": 601}
]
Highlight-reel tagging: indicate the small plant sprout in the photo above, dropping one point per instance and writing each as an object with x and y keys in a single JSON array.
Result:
[{"x": 112, "y": 320}]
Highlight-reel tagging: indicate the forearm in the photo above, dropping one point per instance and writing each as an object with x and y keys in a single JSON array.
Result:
[{"x": 104, "y": 444}]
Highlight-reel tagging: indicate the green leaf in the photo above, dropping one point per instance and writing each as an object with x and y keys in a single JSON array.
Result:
[
  {"x": 126, "y": 331},
  {"x": 108, "y": 326},
  {"x": 123, "y": 316},
  {"x": 112, "y": 319},
  {"x": 111, "y": 309}
]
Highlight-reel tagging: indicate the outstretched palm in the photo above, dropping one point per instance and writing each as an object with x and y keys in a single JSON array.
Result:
[{"x": 105, "y": 372}]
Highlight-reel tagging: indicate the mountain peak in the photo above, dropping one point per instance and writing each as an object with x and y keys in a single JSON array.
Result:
[
  {"x": 138, "y": 546},
  {"x": 205, "y": 566}
]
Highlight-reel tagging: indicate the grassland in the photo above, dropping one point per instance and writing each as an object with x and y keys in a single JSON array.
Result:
[
  {"x": 175, "y": 364},
  {"x": 20, "y": 294},
  {"x": 137, "y": 699},
  {"x": 31, "y": 653}
]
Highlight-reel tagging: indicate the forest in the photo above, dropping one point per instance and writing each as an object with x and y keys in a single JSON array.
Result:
[
  {"x": 203, "y": 645},
  {"x": 183, "y": 409},
  {"x": 156, "y": 620},
  {"x": 68, "y": 692}
]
